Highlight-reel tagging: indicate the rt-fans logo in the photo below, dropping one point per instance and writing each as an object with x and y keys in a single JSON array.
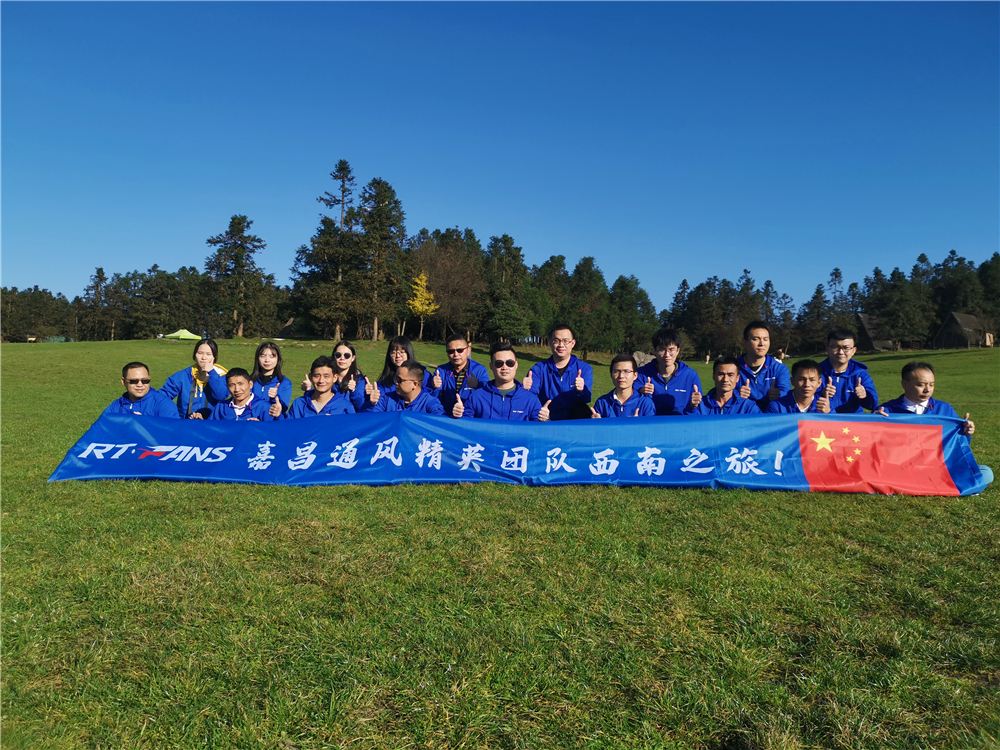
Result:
[{"x": 161, "y": 452}]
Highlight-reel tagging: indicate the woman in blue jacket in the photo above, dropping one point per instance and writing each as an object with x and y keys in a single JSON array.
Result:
[
  {"x": 197, "y": 389},
  {"x": 266, "y": 380},
  {"x": 350, "y": 380}
]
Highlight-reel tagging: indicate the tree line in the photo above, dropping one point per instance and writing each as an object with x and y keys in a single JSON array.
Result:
[{"x": 362, "y": 276}]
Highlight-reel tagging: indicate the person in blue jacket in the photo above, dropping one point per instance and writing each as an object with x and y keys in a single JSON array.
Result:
[
  {"x": 624, "y": 400},
  {"x": 669, "y": 382},
  {"x": 409, "y": 395},
  {"x": 351, "y": 382},
  {"x": 197, "y": 389},
  {"x": 562, "y": 379},
  {"x": 918, "y": 388},
  {"x": 460, "y": 375},
  {"x": 503, "y": 397},
  {"x": 400, "y": 350},
  {"x": 762, "y": 377},
  {"x": 322, "y": 400},
  {"x": 139, "y": 399},
  {"x": 269, "y": 385},
  {"x": 244, "y": 405},
  {"x": 722, "y": 399},
  {"x": 848, "y": 385},
  {"x": 806, "y": 396}
]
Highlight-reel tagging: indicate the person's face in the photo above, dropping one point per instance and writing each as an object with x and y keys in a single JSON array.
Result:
[
  {"x": 725, "y": 377},
  {"x": 458, "y": 353},
  {"x": 397, "y": 355},
  {"x": 919, "y": 386},
  {"x": 840, "y": 352},
  {"x": 504, "y": 367},
  {"x": 343, "y": 358},
  {"x": 267, "y": 361},
  {"x": 562, "y": 343},
  {"x": 806, "y": 384},
  {"x": 757, "y": 343},
  {"x": 667, "y": 354},
  {"x": 407, "y": 386},
  {"x": 204, "y": 357},
  {"x": 322, "y": 379},
  {"x": 622, "y": 375},
  {"x": 133, "y": 382},
  {"x": 239, "y": 388}
]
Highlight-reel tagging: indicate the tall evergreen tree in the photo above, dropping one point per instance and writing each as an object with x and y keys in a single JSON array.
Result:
[
  {"x": 240, "y": 289},
  {"x": 632, "y": 306},
  {"x": 343, "y": 197},
  {"x": 383, "y": 276}
]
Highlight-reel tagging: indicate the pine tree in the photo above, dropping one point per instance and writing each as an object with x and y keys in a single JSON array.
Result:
[{"x": 236, "y": 282}]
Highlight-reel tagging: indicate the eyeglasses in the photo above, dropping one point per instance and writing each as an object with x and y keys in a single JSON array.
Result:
[
  {"x": 498, "y": 363},
  {"x": 397, "y": 381},
  {"x": 841, "y": 349},
  {"x": 136, "y": 381},
  {"x": 456, "y": 351},
  {"x": 616, "y": 373},
  {"x": 564, "y": 342},
  {"x": 342, "y": 355},
  {"x": 668, "y": 350}
]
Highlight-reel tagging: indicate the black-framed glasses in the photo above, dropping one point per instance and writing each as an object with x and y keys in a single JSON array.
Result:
[
  {"x": 456, "y": 351},
  {"x": 342, "y": 355},
  {"x": 397, "y": 381},
  {"x": 498, "y": 363},
  {"x": 136, "y": 381}
]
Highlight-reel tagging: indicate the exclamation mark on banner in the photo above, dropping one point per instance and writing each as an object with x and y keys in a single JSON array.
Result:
[{"x": 777, "y": 463}]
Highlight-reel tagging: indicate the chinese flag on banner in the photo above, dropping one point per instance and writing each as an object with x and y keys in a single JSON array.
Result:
[{"x": 874, "y": 457}]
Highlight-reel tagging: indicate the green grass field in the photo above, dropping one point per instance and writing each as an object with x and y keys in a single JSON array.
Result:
[{"x": 174, "y": 615}]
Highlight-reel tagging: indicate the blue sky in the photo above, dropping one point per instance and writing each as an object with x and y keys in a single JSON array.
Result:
[{"x": 669, "y": 141}]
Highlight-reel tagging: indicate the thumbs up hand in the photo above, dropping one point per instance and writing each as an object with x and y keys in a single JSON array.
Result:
[
  {"x": 594, "y": 414},
  {"x": 306, "y": 384},
  {"x": 695, "y": 395},
  {"x": 773, "y": 393},
  {"x": 859, "y": 390},
  {"x": 543, "y": 413},
  {"x": 968, "y": 428},
  {"x": 272, "y": 392},
  {"x": 528, "y": 380},
  {"x": 458, "y": 409},
  {"x": 647, "y": 388},
  {"x": 745, "y": 390},
  {"x": 275, "y": 410},
  {"x": 636, "y": 413},
  {"x": 831, "y": 389},
  {"x": 436, "y": 380},
  {"x": 823, "y": 403},
  {"x": 579, "y": 383},
  {"x": 352, "y": 383},
  {"x": 371, "y": 390}
]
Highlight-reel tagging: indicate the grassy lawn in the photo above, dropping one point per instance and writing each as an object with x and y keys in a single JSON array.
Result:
[{"x": 155, "y": 614}]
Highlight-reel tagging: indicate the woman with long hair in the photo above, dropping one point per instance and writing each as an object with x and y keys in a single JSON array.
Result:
[
  {"x": 351, "y": 382},
  {"x": 266, "y": 380},
  {"x": 199, "y": 388}
]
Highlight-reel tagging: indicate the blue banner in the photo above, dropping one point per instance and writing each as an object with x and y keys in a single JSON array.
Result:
[{"x": 854, "y": 453}]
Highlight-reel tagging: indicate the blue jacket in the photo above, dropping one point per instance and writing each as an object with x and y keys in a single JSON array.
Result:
[
  {"x": 303, "y": 407},
  {"x": 258, "y": 408},
  {"x": 357, "y": 396},
  {"x": 547, "y": 383},
  {"x": 844, "y": 401},
  {"x": 772, "y": 372},
  {"x": 735, "y": 405},
  {"x": 786, "y": 405},
  {"x": 425, "y": 403},
  {"x": 260, "y": 390},
  {"x": 935, "y": 408},
  {"x": 153, "y": 404},
  {"x": 608, "y": 406},
  {"x": 446, "y": 393},
  {"x": 672, "y": 396},
  {"x": 178, "y": 386},
  {"x": 488, "y": 403}
]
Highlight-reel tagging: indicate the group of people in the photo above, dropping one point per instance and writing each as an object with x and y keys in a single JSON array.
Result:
[{"x": 558, "y": 388}]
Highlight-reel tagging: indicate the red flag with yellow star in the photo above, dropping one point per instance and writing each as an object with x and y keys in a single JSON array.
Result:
[{"x": 874, "y": 457}]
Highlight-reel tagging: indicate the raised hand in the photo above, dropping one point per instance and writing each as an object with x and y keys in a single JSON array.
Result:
[
  {"x": 859, "y": 390},
  {"x": 371, "y": 390},
  {"x": 594, "y": 414},
  {"x": 306, "y": 384},
  {"x": 968, "y": 428},
  {"x": 773, "y": 394},
  {"x": 636, "y": 413},
  {"x": 831, "y": 389},
  {"x": 579, "y": 383},
  {"x": 543, "y": 413},
  {"x": 275, "y": 410},
  {"x": 823, "y": 403},
  {"x": 745, "y": 390},
  {"x": 695, "y": 395},
  {"x": 436, "y": 380},
  {"x": 647, "y": 388},
  {"x": 458, "y": 409},
  {"x": 352, "y": 383},
  {"x": 272, "y": 392},
  {"x": 528, "y": 380}
]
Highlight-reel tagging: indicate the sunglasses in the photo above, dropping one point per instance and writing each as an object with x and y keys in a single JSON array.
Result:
[
  {"x": 343, "y": 355},
  {"x": 456, "y": 351},
  {"x": 397, "y": 381},
  {"x": 498, "y": 363},
  {"x": 136, "y": 381}
]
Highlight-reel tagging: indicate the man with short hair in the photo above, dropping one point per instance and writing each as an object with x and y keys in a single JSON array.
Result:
[
  {"x": 806, "y": 394},
  {"x": 722, "y": 399},
  {"x": 918, "y": 387},
  {"x": 242, "y": 404},
  {"x": 323, "y": 399},
  {"x": 848, "y": 385},
  {"x": 409, "y": 394},
  {"x": 623, "y": 400},
  {"x": 503, "y": 397},
  {"x": 667, "y": 380},
  {"x": 762, "y": 377},
  {"x": 460, "y": 375},
  {"x": 562, "y": 379},
  {"x": 139, "y": 399}
]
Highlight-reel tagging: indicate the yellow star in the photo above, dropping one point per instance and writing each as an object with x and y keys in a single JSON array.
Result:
[
  {"x": 856, "y": 439},
  {"x": 847, "y": 431},
  {"x": 823, "y": 442},
  {"x": 857, "y": 452},
  {"x": 850, "y": 459}
]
